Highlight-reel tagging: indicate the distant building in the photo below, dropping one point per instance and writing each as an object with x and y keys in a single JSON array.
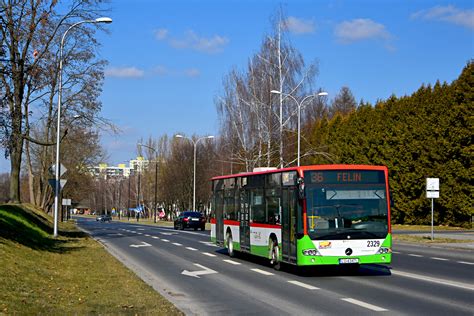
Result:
[{"x": 121, "y": 171}]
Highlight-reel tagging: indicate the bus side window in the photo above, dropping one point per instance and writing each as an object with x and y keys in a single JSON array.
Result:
[{"x": 258, "y": 211}]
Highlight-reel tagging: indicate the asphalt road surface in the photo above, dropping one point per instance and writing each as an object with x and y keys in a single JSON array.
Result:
[{"x": 200, "y": 279}]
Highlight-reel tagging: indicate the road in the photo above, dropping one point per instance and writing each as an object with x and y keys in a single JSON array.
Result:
[{"x": 200, "y": 279}]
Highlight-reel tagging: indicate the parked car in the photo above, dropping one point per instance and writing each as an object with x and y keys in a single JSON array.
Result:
[
  {"x": 190, "y": 219},
  {"x": 104, "y": 218}
]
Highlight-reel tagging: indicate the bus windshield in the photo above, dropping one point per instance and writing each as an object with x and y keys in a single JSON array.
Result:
[{"x": 346, "y": 204}]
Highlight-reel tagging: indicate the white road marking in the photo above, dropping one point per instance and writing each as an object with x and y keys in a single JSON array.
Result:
[
  {"x": 434, "y": 280},
  {"x": 155, "y": 237},
  {"x": 177, "y": 244},
  {"x": 396, "y": 252},
  {"x": 168, "y": 234},
  {"x": 140, "y": 228},
  {"x": 117, "y": 234},
  {"x": 414, "y": 255},
  {"x": 365, "y": 305},
  {"x": 147, "y": 235},
  {"x": 196, "y": 274},
  {"x": 140, "y": 233},
  {"x": 231, "y": 262},
  {"x": 306, "y": 286},
  {"x": 465, "y": 262},
  {"x": 208, "y": 254},
  {"x": 440, "y": 259},
  {"x": 143, "y": 244},
  {"x": 209, "y": 243},
  {"x": 165, "y": 240},
  {"x": 191, "y": 248},
  {"x": 262, "y": 272}
]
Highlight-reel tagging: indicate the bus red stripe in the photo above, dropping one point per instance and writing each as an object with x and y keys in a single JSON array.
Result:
[
  {"x": 230, "y": 222},
  {"x": 265, "y": 225}
]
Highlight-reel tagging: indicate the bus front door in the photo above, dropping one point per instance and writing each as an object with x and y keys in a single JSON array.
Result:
[
  {"x": 288, "y": 232},
  {"x": 244, "y": 221}
]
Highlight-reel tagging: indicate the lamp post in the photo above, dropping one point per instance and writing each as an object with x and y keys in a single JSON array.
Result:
[
  {"x": 156, "y": 177},
  {"x": 299, "y": 104},
  {"x": 57, "y": 174},
  {"x": 194, "y": 172}
]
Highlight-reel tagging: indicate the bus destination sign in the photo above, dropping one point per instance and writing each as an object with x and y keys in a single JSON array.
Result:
[{"x": 346, "y": 176}]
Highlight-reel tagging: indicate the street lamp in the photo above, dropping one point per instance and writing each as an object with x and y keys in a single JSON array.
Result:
[
  {"x": 299, "y": 104},
  {"x": 56, "y": 191},
  {"x": 156, "y": 176},
  {"x": 194, "y": 173}
]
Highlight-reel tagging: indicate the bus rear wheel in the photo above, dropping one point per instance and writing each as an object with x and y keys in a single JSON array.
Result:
[{"x": 230, "y": 245}]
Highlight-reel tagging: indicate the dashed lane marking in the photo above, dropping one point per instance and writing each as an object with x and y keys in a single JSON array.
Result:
[
  {"x": 191, "y": 248},
  {"x": 147, "y": 235},
  {"x": 177, "y": 244},
  {"x": 465, "y": 262},
  {"x": 306, "y": 286},
  {"x": 262, "y": 272},
  {"x": 415, "y": 255},
  {"x": 155, "y": 237},
  {"x": 165, "y": 240},
  {"x": 440, "y": 259},
  {"x": 208, "y": 254},
  {"x": 231, "y": 262},
  {"x": 364, "y": 304}
]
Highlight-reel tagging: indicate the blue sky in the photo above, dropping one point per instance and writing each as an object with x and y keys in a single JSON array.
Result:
[{"x": 167, "y": 59}]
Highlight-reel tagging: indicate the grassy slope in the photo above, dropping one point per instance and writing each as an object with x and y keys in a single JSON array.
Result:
[{"x": 69, "y": 275}]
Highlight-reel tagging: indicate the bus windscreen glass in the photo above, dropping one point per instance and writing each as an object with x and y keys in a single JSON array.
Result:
[{"x": 346, "y": 204}]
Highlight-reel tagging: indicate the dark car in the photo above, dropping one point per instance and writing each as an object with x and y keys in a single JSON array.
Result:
[
  {"x": 104, "y": 218},
  {"x": 190, "y": 219}
]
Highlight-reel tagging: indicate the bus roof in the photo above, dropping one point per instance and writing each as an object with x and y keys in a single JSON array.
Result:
[{"x": 304, "y": 168}]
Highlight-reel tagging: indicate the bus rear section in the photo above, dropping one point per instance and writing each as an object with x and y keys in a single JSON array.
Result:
[{"x": 312, "y": 215}]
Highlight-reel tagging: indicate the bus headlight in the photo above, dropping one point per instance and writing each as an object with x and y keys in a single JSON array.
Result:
[
  {"x": 311, "y": 252},
  {"x": 383, "y": 250}
]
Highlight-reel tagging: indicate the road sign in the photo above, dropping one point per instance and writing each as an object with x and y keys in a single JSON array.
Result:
[
  {"x": 432, "y": 194},
  {"x": 62, "y": 169},
  {"x": 432, "y": 184},
  {"x": 62, "y": 183},
  {"x": 67, "y": 202}
]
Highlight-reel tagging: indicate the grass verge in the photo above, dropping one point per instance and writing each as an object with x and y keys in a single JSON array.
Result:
[
  {"x": 427, "y": 239},
  {"x": 69, "y": 275}
]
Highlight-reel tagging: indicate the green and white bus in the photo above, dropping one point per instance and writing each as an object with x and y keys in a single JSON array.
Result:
[{"x": 305, "y": 216}]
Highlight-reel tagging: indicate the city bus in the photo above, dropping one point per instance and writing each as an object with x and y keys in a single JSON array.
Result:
[{"x": 305, "y": 216}]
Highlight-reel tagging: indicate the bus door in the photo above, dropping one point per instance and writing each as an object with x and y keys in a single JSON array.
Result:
[
  {"x": 288, "y": 231},
  {"x": 219, "y": 203},
  {"x": 244, "y": 221}
]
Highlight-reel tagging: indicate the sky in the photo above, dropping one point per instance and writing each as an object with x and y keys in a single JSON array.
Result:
[{"x": 167, "y": 59}]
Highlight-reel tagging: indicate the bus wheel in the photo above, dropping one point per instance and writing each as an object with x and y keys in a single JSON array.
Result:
[
  {"x": 275, "y": 254},
  {"x": 230, "y": 245}
]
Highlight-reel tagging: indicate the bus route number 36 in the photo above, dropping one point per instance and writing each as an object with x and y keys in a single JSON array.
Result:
[{"x": 373, "y": 243}]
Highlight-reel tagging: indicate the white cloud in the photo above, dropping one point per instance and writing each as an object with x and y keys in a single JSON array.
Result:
[
  {"x": 195, "y": 42},
  {"x": 161, "y": 34},
  {"x": 192, "y": 72},
  {"x": 359, "y": 30},
  {"x": 161, "y": 70},
  {"x": 124, "y": 72},
  {"x": 299, "y": 26},
  {"x": 449, "y": 14}
]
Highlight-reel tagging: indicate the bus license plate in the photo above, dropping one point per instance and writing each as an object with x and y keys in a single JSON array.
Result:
[{"x": 348, "y": 260}]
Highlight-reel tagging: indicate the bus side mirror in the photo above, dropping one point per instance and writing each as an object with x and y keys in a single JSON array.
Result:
[{"x": 301, "y": 191}]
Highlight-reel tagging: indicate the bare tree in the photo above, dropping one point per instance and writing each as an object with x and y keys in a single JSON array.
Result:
[
  {"x": 30, "y": 34},
  {"x": 251, "y": 121}
]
